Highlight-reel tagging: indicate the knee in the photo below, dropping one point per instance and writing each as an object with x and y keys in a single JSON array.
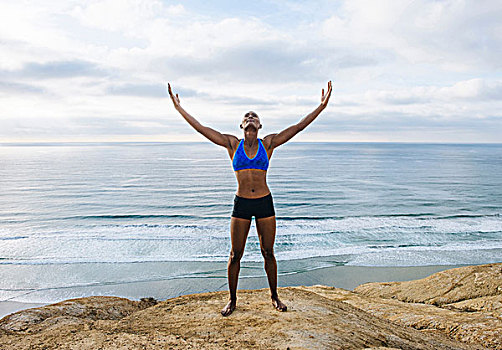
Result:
[
  {"x": 235, "y": 256},
  {"x": 268, "y": 253}
]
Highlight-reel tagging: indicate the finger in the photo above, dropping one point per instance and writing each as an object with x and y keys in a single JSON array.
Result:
[
  {"x": 322, "y": 93},
  {"x": 328, "y": 94}
]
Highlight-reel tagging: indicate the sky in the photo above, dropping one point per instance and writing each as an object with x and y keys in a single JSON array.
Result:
[{"x": 402, "y": 71}]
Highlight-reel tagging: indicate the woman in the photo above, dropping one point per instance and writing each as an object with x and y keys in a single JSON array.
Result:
[{"x": 253, "y": 197}]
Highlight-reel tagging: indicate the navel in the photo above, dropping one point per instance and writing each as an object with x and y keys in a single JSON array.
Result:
[{"x": 252, "y": 190}]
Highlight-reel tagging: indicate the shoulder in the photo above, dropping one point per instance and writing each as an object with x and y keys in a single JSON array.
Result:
[
  {"x": 233, "y": 141},
  {"x": 267, "y": 141}
]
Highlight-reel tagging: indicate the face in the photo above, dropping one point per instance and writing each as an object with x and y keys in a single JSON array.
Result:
[{"x": 251, "y": 120}]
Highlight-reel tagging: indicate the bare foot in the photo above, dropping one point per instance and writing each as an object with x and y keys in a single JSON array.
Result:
[
  {"x": 229, "y": 308},
  {"x": 278, "y": 304}
]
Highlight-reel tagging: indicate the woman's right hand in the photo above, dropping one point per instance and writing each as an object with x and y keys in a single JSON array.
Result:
[{"x": 174, "y": 98}]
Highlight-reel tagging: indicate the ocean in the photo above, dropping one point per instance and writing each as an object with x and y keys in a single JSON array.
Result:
[{"x": 80, "y": 219}]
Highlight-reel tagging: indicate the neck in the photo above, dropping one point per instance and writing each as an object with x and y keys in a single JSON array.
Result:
[{"x": 250, "y": 137}]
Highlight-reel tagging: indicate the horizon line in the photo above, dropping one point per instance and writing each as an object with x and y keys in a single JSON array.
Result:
[{"x": 7, "y": 143}]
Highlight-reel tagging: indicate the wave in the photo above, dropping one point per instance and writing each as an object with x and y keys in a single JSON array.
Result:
[
  {"x": 461, "y": 216},
  {"x": 209, "y": 239},
  {"x": 413, "y": 254},
  {"x": 341, "y": 217},
  {"x": 293, "y": 218},
  {"x": 394, "y": 226},
  {"x": 411, "y": 215},
  {"x": 287, "y": 218},
  {"x": 8, "y": 238},
  {"x": 128, "y": 216}
]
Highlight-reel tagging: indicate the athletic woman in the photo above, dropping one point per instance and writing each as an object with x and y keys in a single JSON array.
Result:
[{"x": 250, "y": 159}]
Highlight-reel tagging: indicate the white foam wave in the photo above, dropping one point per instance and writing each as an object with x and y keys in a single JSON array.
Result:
[{"x": 209, "y": 241}]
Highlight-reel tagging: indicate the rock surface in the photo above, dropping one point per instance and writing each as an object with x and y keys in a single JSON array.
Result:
[
  {"x": 465, "y": 303},
  {"x": 376, "y": 316},
  {"x": 442, "y": 288}
]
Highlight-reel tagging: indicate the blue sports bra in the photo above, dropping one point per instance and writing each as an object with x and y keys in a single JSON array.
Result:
[{"x": 242, "y": 161}]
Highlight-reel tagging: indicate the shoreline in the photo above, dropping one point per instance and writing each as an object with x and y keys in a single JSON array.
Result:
[{"x": 345, "y": 277}]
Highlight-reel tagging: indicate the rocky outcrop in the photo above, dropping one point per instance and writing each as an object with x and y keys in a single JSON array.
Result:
[
  {"x": 376, "y": 316},
  {"x": 464, "y": 303},
  {"x": 193, "y": 322},
  {"x": 73, "y": 311},
  {"x": 442, "y": 288},
  {"x": 472, "y": 328}
]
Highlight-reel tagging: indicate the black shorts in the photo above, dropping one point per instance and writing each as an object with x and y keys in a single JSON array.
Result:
[{"x": 246, "y": 208}]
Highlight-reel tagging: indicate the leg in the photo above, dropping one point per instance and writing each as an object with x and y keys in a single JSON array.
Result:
[
  {"x": 266, "y": 233},
  {"x": 239, "y": 229}
]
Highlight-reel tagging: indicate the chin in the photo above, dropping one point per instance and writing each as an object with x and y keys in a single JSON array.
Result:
[{"x": 251, "y": 126}]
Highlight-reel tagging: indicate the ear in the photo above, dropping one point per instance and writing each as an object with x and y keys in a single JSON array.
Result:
[
  {"x": 240, "y": 126},
  {"x": 260, "y": 126}
]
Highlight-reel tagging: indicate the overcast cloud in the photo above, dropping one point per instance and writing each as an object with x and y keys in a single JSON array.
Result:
[{"x": 409, "y": 71}]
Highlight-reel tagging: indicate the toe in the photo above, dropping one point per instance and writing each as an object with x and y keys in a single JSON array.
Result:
[{"x": 228, "y": 309}]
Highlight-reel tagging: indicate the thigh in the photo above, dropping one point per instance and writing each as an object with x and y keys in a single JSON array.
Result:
[
  {"x": 266, "y": 228},
  {"x": 239, "y": 229},
  {"x": 264, "y": 207}
]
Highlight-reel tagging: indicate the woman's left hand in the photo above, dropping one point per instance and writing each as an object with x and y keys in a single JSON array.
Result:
[{"x": 325, "y": 97}]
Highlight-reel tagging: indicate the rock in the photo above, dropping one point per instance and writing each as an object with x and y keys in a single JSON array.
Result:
[
  {"x": 147, "y": 302},
  {"x": 74, "y": 310},
  {"x": 492, "y": 304},
  {"x": 445, "y": 287},
  {"x": 464, "y": 303},
  {"x": 312, "y": 321},
  {"x": 468, "y": 327},
  {"x": 454, "y": 309}
]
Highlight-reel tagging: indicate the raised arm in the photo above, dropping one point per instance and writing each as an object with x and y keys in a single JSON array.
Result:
[
  {"x": 275, "y": 140},
  {"x": 211, "y": 134}
]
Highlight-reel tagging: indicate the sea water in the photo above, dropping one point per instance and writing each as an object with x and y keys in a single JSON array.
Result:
[{"x": 94, "y": 215}]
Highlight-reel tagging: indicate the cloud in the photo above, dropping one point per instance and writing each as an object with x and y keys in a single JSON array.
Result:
[
  {"x": 128, "y": 15},
  {"x": 122, "y": 125},
  {"x": 477, "y": 90},
  {"x": 244, "y": 101},
  {"x": 19, "y": 88},
  {"x": 271, "y": 61},
  {"x": 157, "y": 90},
  {"x": 99, "y": 67},
  {"x": 140, "y": 90},
  {"x": 56, "y": 70},
  {"x": 462, "y": 33},
  {"x": 265, "y": 62},
  {"x": 89, "y": 126}
]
